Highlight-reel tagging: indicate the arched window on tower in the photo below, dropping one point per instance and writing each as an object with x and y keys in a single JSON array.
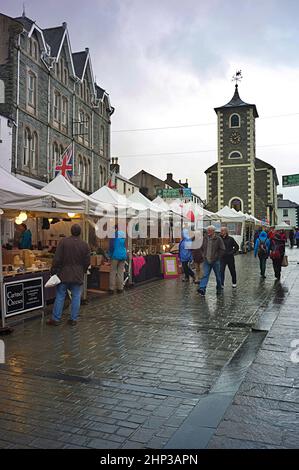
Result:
[
  {"x": 234, "y": 155},
  {"x": 235, "y": 120},
  {"x": 236, "y": 203}
]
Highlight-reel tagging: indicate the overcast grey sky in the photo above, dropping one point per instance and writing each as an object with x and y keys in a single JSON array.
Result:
[{"x": 169, "y": 63}]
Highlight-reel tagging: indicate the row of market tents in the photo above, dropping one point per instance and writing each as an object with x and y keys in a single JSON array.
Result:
[{"x": 61, "y": 196}]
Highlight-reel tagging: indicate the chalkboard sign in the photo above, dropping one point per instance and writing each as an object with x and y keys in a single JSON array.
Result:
[{"x": 23, "y": 296}]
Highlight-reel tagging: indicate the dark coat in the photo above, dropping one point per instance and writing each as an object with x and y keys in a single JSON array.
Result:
[
  {"x": 231, "y": 246},
  {"x": 197, "y": 254},
  {"x": 218, "y": 248},
  {"x": 71, "y": 260}
]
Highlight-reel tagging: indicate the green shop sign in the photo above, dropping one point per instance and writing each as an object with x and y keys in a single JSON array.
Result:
[
  {"x": 174, "y": 193},
  {"x": 290, "y": 180}
]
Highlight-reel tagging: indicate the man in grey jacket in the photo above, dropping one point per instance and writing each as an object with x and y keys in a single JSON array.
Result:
[
  {"x": 70, "y": 263},
  {"x": 213, "y": 249}
]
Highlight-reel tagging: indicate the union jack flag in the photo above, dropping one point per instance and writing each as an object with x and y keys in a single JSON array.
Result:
[
  {"x": 65, "y": 168},
  {"x": 112, "y": 181}
]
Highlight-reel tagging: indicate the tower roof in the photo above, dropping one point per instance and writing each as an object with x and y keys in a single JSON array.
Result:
[{"x": 236, "y": 102}]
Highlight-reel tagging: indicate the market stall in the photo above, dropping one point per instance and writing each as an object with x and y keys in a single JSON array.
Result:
[
  {"x": 234, "y": 221},
  {"x": 25, "y": 267}
]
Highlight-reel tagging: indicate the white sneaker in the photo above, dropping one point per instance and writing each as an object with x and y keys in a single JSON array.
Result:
[{"x": 234, "y": 285}]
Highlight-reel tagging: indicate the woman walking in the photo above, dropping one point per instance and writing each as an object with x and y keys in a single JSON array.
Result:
[
  {"x": 185, "y": 255},
  {"x": 277, "y": 251}
]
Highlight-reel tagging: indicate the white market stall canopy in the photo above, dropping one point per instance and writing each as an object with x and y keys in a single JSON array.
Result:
[
  {"x": 111, "y": 200},
  {"x": 158, "y": 201},
  {"x": 145, "y": 202},
  {"x": 208, "y": 215},
  {"x": 69, "y": 198},
  {"x": 226, "y": 214},
  {"x": 15, "y": 194},
  {"x": 283, "y": 226}
]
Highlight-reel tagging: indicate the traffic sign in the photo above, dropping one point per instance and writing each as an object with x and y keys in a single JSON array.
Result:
[{"x": 290, "y": 180}]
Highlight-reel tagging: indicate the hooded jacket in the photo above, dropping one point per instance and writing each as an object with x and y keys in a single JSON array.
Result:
[
  {"x": 185, "y": 253},
  {"x": 117, "y": 247},
  {"x": 263, "y": 238},
  {"x": 278, "y": 245}
]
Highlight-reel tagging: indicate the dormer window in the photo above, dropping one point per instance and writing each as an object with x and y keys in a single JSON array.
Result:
[{"x": 234, "y": 120}]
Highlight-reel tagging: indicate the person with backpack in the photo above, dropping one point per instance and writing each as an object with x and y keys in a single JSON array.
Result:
[
  {"x": 262, "y": 249},
  {"x": 118, "y": 256},
  {"x": 277, "y": 251}
]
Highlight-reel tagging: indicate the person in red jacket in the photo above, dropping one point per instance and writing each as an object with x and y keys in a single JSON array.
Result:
[{"x": 271, "y": 233}]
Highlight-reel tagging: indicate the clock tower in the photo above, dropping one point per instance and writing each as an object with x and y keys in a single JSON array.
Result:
[
  {"x": 236, "y": 154},
  {"x": 239, "y": 179}
]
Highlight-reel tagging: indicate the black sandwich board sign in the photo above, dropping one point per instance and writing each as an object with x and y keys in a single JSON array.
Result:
[{"x": 23, "y": 295}]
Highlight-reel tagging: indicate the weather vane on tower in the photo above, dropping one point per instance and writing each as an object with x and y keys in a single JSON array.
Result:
[{"x": 237, "y": 77}]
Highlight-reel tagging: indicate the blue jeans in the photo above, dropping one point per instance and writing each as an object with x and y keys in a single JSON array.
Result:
[
  {"x": 207, "y": 271},
  {"x": 61, "y": 290}
]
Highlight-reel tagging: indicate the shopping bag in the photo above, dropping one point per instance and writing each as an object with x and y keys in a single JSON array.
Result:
[
  {"x": 285, "y": 262},
  {"x": 53, "y": 281}
]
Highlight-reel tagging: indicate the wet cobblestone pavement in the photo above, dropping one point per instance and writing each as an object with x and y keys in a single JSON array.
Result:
[
  {"x": 137, "y": 365},
  {"x": 265, "y": 411}
]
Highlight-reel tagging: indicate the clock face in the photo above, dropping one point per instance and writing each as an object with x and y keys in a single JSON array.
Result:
[{"x": 235, "y": 138}]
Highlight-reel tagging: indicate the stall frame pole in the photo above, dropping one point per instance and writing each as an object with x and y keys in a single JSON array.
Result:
[
  {"x": 1, "y": 278},
  {"x": 86, "y": 239}
]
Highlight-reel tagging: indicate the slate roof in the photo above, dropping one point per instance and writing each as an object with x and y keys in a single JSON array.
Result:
[
  {"x": 79, "y": 59},
  {"x": 286, "y": 204},
  {"x": 261, "y": 164},
  {"x": 212, "y": 168},
  {"x": 53, "y": 37},
  {"x": 236, "y": 102},
  {"x": 100, "y": 91},
  {"x": 26, "y": 22}
]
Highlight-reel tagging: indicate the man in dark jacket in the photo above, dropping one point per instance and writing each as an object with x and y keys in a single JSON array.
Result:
[
  {"x": 70, "y": 263},
  {"x": 213, "y": 249},
  {"x": 231, "y": 248}
]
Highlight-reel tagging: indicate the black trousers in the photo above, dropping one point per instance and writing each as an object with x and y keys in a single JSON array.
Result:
[
  {"x": 187, "y": 270},
  {"x": 230, "y": 262},
  {"x": 277, "y": 267}
]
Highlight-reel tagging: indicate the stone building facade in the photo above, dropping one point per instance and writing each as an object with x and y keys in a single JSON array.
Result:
[
  {"x": 149, "y": 185},
  {"x": 239, "y": 179},
  {"x": 52, "y": 98}
]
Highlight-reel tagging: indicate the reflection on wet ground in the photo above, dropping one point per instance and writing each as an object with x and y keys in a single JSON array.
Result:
[{"x": 135, "y": 366}]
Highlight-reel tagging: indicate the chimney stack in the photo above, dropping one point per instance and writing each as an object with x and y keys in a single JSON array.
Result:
[{"x": 114, "y": 166}]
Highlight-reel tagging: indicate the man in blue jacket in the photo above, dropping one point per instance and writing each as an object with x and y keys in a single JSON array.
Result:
[
  {"x": 118, "y": 255},
  {"x": 262, "y": 249},
  {"x": 185, "y": 255},
  {"x": 26, "y": 238}
]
